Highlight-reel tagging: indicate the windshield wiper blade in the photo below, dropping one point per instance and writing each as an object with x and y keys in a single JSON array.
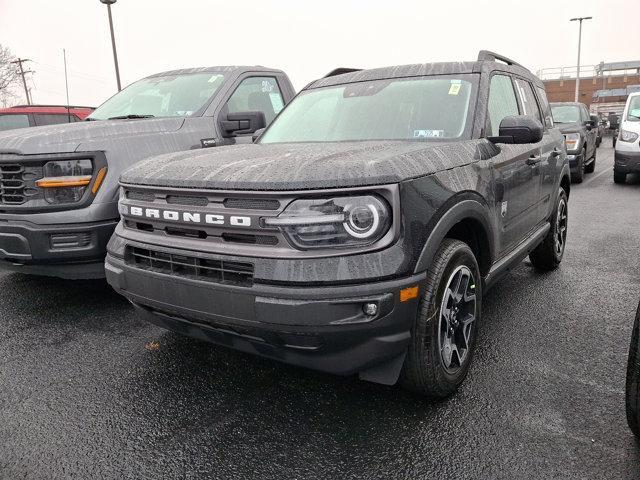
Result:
[{"x": 130, "y": 116}]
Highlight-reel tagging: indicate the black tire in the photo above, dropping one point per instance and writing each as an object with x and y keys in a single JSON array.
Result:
[
  {"x": 592, "y": 166},
  {"x": 444, "y": 321},
  {"x": 619, "y": 177},
  {"x": 548, "y": 255},
  {"x": 633, "y": 379},
  {"x": 578, "y": 177}
]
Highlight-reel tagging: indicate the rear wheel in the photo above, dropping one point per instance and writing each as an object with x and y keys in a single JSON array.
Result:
[
  {"x": 619, "y": 177},
  {"x": 444, "y": 335},
  {"x": 592, "y": 166},
  {"x": 548, "y": 255},
  {"x": 633, "y": 379}
]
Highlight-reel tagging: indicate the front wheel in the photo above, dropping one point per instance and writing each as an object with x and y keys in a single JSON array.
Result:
[
  {"x": 548, "y": 255},
  {"x": 619, "y": 177},
  {"x": 578, "y": 177},
  {"x": 444, "y": 334}
]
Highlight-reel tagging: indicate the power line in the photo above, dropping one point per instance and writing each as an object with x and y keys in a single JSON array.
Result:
[{"x": 20, "y": 61}]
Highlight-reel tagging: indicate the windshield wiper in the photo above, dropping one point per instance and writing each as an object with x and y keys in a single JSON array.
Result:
[{"x": 131, "y": 115}]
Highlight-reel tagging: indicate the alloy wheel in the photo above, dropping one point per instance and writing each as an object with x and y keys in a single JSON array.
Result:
[
  {"x": 457, "y": 319},
  {"x": 561, "y": 227}
]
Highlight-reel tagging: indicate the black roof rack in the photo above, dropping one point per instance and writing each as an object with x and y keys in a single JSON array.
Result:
[
  {"x": 340, "y": 71},
  {"x": 486, "y": 55}
]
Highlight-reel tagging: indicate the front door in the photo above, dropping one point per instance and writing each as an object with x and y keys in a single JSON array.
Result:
[{"x": 516, "y": 169}]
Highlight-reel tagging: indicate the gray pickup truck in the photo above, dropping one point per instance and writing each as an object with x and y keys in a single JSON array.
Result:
[{"x": 59, "y": 184}]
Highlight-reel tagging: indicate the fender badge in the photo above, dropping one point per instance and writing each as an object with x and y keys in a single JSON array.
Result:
[{"x": 208, "y": 142}]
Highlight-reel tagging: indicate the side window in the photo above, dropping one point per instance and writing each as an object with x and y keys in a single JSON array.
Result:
[
  {"x": 51, "y": 119},
  {"x": 528, "y": 100},
  {"x": 544, "y": 105},
  {"x": 260, "y": 94},
  {"x": 11, "y": 121},
  {"x": 585, "y": 115},
  {"x": 502, "y": 102}
]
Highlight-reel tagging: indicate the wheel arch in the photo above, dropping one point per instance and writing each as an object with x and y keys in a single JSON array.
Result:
[{"x": 465, "y": 217}]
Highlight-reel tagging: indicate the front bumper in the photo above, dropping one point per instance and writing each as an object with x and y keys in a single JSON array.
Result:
[
  {"x": 322, "y": 328},
  {"x": 73, "y": 251},
  {"x": 626, "y": 162}
]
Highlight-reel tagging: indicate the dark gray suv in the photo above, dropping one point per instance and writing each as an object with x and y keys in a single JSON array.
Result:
[{"x": 358, "y": 235}]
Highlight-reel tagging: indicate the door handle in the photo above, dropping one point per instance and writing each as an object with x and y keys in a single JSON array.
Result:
[
  {"x": 534, "y": 159},
  {"x": 556, "y": 152}
]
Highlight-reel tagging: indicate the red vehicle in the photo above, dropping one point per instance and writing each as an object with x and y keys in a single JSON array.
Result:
[{"x": 22, "y": 116}]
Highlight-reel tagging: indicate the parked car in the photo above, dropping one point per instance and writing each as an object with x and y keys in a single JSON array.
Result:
[
  {"x": 580, "y": 132},
  {"x": 59, "y": 184},
  {"x": 633, "y": 379},
  {"x": 22, "y": 116},
  {"x": 627, "y": 148},
  {"x": 360, "y": 231}
]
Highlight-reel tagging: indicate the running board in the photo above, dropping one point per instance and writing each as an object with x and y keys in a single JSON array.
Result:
[{"x": 515, "y": 256}]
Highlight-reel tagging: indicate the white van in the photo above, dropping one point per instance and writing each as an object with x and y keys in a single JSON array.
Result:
[{"x": 627, "y": 153}]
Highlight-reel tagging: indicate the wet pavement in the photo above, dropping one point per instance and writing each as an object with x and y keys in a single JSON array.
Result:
[{"x": 88, "y": 390}]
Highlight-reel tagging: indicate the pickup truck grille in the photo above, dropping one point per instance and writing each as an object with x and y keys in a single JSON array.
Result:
[
  {"x": 208, "y": 270},
  {"x": 17, "y": 183}
]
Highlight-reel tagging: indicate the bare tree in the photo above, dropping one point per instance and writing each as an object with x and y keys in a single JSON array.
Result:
[{"x": 9, "y": 76}]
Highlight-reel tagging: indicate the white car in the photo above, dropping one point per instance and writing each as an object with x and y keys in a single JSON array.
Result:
[{"x": 627, "y": 148}]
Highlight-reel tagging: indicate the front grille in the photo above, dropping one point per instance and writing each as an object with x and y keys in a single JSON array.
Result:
[
  {"x": 12, "y": 184},
  {"x": 252, "y": 203},
  {"x": 142, "y": 196},
  {"x": 189, "y": 201},
  {"x": 209, "y": 270}
]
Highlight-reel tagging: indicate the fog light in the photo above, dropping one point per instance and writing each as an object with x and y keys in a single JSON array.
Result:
[{"x": 370, "y": 309}]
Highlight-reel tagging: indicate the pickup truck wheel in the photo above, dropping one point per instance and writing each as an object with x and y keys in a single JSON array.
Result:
[
  {"x": 633, "y": 379},
  {"x": 619, "y": 177},
  {"x": 592, "y": 166},
  {"x": 579, "y": 175},
  {"x": 444, "y": 335},
  {"x": 548, "y": 255}
]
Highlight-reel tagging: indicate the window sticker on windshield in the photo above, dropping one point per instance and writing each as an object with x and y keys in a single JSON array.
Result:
[
  {"x": 213, "y": 78},
  {"x": 454, "y": 89},
  {"x": 276, "y": 102},
  {"x": 428, "y": 133}
]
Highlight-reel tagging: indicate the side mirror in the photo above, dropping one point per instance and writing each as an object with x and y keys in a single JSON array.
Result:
[
  {"x": 518, "y": 129},
  {"x": 256, "y": 134},
  {"x": 242, "y": 123}
]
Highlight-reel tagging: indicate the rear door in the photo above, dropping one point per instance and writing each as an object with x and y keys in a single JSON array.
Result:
[
  {"x": 517, "y": 168},
  {"x": 591, "y": 133}
]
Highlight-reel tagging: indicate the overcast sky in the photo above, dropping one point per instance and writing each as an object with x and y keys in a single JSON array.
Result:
[{"x": 306, "y": 39}]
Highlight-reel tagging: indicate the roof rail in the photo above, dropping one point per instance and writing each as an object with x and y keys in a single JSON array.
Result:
[
  {"x": 340, "y": 71},
  {"x": 486, "y": 55},
  {"x": 49, "y": 105}
]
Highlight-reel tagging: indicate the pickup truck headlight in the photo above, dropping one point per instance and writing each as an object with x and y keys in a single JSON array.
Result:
[
  {"x": 627, "y": 136},
  {"x": 571, "y": 141},
  {"x": 334, "y": 222},
  {"x": 65, "y": 181}
]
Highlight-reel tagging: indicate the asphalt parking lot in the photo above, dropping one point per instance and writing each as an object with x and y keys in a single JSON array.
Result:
[{"x": 87, "y": 390}]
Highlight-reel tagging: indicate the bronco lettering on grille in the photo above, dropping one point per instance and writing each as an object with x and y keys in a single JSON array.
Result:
[{"x": 190, "y": 217}]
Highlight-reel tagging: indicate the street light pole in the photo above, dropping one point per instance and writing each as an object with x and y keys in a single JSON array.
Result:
[
  {"x": 108, "y": 3},
  {"x": 580, "y": 19}
]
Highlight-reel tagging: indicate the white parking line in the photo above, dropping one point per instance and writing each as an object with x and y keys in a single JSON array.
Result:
[{"x": 597, "y": 176}]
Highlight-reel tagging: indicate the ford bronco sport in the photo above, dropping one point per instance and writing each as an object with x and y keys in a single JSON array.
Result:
[
  {"x": 59, "y": 183},
  {"x": 360, "y": 231}
]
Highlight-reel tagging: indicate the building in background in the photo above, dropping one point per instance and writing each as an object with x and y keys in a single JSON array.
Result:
[{"x": 604, "y": 88}]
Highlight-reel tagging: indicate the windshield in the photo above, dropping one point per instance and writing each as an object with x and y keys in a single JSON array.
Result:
[
  {"x": 165, "y": 96},
  {"x": 565, "y": 114},
  {"x": 634, "y": 109},
  {"x": 423, "y": 108}
]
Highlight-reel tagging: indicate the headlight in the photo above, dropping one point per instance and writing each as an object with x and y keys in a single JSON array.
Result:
[
  {"x": 571, "y": 141},
  {"x": 334, "y": 222},
  {"x": 65, "y": 181},
  {"x": 626, "y": 136}
]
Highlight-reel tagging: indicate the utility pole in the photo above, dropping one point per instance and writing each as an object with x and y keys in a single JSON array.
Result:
[
  {"x": 579, "y": 19},
  {"x": 20, "y": 61},
  {"x": 66, "y": 84},
  {"x": 108, "y": 3}
]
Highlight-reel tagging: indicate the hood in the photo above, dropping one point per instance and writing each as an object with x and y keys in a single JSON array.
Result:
[
  {"x": 295, "y": 166},
  {"x": 67, "y": 137},
  {"x": 569, "y": 127}
]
